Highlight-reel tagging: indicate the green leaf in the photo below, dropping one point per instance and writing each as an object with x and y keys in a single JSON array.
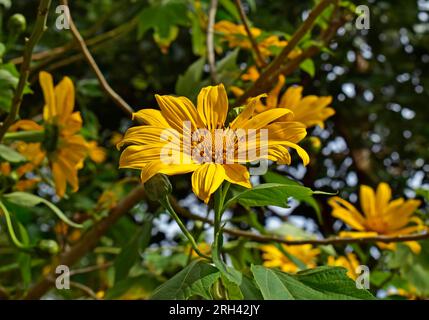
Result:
[
  {"x": 308, "y": 66},
  {"x": 25, "y": 199},
  {"x": 198, "y": 36},
  {"x": 131, "y": 251},
  {"x": 9, "y": 78},
  {"x": 230, "y": 7},
  {"x": 163, "y": 17},
  {"x": 6, "y": 3},
  {"x": 322, "y": 283},
  {"x": 271, "y": 194},
  {"x": 10, "y": 155},
  {"x": 250, "y": 290},
  {"x": 195, "y": 280},
  {"x": 273, "y": 177},
  {"x": 189, "y": 83}
]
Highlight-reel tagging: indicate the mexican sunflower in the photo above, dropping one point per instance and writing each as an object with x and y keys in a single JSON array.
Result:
[
  {"x": 193, "y": 138},
  {"x": 310, "y": 110},
  {"x": 274, "y": 258},
  {"x": 236, "y": 36},
  {"x": 381, "y": 216},
  {"x": 349, "y": 262},
  {"x": 62, "y": 145}
]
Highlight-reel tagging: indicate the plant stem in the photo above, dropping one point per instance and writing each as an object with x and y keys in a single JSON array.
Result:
[
  {"x": 40, "y": 27},
  {"x": 27, "y": 136},
  {"x": 166, "y": 204},
  {"x": 9, "y": 224},
  {"x": 219, "y": 200}
]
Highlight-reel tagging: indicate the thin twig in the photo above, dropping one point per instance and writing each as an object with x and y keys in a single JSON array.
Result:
[
  {"x": 210, "y": 41},
  {"x": 117, "y": 99},
  {"x": 333, "y": 240},
  {"x": 30, "y": 43},
  {"x": 85, "y": 289},
  {"x": 259, "y": 58},
  {"x": 281, "y": 58},
  {"x": 91, "y": 268}
]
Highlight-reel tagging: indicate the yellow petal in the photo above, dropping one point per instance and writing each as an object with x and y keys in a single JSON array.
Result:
[
  {"x": 237, "y": 174},
  {"x": 177, "y": 110},
  {"x": 247, "y": 113},
  {"x": 301, "y": 152},
  {"x": 213, "y": 106},
  {"x": 47, "y": 84},
  {"x": 64, "y": 94},
  {"x": 383, "y": 196},
  {"x": 25, "y": 125},
  {"x": 291, "y": 97},
  {"x": 338, "y": 203},
  {"x": 264, "y": 118},
  {"x": 154, "y": 167},
  {"x": 71, "y": 124},
  {"x": 151, "y": 117},
  {"x": 286, "y": 131},
  {"x": 367, "y": 200},
  {"x": 273, "y": 96},
  {"x": 207, "y": 179},
  {"x": 414, "y": 246},
  {"x": 358, "y": 234}
]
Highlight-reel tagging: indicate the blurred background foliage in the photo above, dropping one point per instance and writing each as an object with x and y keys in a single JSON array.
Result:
[{"x": 378, "y": 79}]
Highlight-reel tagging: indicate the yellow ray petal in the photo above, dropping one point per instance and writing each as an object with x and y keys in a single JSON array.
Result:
[
  {"x": 237, "y": 174},
  {"x": 291, "y": 97},
  {"x": 213, "y": 106},
  {"x": 47, "y": 84},
  {"x": 382, "y": 196},
  {"x": 263, "y": 119},
  {"x": 71, "y": 124},
  {"x": 301, "y": 152},
  {"x": 273, "y": 96},
  {"x": 286, "y": 131},
  {"x": 177, "y": 110},
  {"x": 64, "y": 94},
  {"x": 154, "y": 167},
  {"x": 338, "y": 203},
  {"x": 151, "y": 117},
  {"x": 367, "y": 200},
  {"x": 247, "y": 113},
  {"x": 25, "y": 125},
  {"x": 207, "y": 179}
]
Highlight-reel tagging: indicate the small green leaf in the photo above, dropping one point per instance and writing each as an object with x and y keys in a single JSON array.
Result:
[
  {"x": 322, "y": 283},
  {"x": 10, "y": 155},
  {"x": 25, "y": 199},
  {"x": 189, "y": 83},
  {"x": 194, "y": 280},
  {"x": 131, "y": 250},
  {"x": 308, "y": 66}
]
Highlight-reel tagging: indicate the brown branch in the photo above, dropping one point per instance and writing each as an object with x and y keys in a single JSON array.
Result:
[
  {"x": 91, "y": 268},
  {"x": 210, "y": 41},
  {"x": 117, "y": 99},
  {"x": 259, "y": 58},
  {"x": 88, "y": 241},
  {"x": 30, "y": 43},
  {"x": 267, "y": 238},
  {"x": 276, "y": 64}
]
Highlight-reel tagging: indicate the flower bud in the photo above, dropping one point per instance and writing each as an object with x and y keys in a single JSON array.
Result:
[
  {"x": 17, "y": 24},
  {"x": 49, "y": 246},
  {"x": 157, "y": 187}
]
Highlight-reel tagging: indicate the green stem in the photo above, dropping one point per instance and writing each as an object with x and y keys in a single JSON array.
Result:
[
  {"x": 219, "y": 200},
  {"x": 9, "y": 224},
  {"x": 26, "y": 136},
  {"x": 167, "y": 205}
]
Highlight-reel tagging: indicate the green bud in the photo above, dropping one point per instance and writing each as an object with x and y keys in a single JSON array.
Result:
[
  {"x": 157, "y": 187},
  {"x": 17, "y": 24},
  {"x": 49, "y": 246}
]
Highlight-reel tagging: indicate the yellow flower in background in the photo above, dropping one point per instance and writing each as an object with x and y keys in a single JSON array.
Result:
[
  {"x": 275, "y": 258},
  {"x": 236, "y": 36},
  {"x": 95, "y": 152},
  {"x": 349, "y": 261},
  {"x": 64, "y": 148},
  {"x": 144, "y": 144},
  {"x": 204, "y": 248},
  {"x": 381, "y": 216},
  {"x": 5, "y": 168},
  {"x": 310, "y": 110}
]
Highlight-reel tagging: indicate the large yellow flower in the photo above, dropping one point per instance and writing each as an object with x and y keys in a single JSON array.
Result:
[
  {"x": 381, "y": 216},
  {"x": 275, "y": 258},
  {"x": 310, "y": 110},
  {"x": 64, "y": 148},
  {"x": 211, "y": 158},
  {"x": 349, "y": 261}
]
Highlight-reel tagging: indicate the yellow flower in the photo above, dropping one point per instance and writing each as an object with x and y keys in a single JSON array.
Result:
[
  {"x": 275, "y": 258},
  {"x": 5, "y": 168},
  {"x": 204, "y": 248},
  {"x": 178, "y": 117},
  {"x": 95, "y": 152},
  {"x": 381, "y": 216},
  {"x": 62, "y": 145},
  {"x": 350, "y": 262},
  {"x": 310, "y": 110},
  {"x": 236, "y": 36}
]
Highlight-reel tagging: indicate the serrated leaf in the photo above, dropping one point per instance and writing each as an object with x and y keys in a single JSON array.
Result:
[
  {"x": 194, "y": 280},
  {"x": 322, "y": 283}
]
